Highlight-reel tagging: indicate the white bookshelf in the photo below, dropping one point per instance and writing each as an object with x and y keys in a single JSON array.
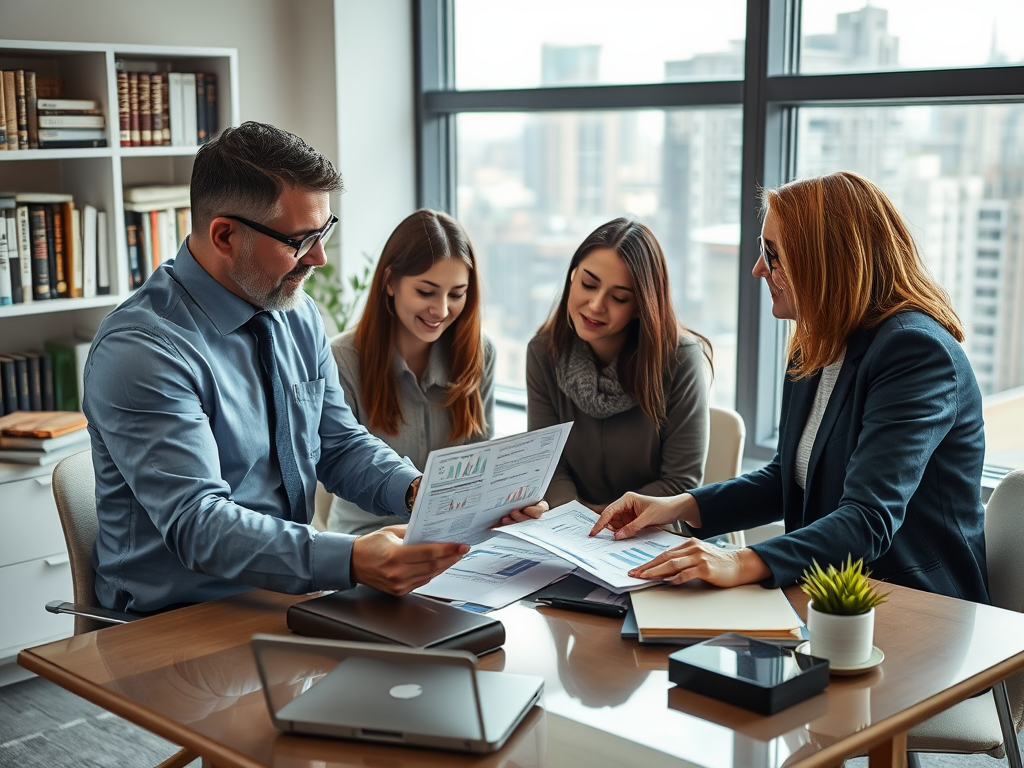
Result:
[{"x": 33, "y": 560}]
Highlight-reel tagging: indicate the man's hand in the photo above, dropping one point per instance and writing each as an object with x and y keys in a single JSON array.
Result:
[
  {"x": 380, "y": 560},
  {"x": 633, "y": 512},
  {"x": 526, "y": 513},
  {"x": 696, "y": 559}
]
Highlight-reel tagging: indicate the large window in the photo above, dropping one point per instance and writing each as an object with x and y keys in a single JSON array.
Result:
[{"x": 540, "y": 119}]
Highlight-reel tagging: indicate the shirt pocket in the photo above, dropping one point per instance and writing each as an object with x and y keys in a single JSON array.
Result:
[{"x": 309, "y": 402}]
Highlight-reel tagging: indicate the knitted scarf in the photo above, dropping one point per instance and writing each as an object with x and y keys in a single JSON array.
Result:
[{"x": 595, "y": 391}]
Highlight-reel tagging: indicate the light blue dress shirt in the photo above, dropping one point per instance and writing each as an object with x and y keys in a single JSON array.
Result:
[{"x": 191, "y": 506}]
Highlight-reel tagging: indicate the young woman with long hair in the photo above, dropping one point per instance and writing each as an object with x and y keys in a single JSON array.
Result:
[
  {"x": 881, "y": 439},
  {"x": 417, "y": 370},
  {"x": 613, "y": 359}
]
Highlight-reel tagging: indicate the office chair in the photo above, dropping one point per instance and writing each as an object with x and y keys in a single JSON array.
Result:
[
  {"x": 725, "y": 453},
  {"x": 74, "y": 489},
  {"x": 989, "y": 723}
]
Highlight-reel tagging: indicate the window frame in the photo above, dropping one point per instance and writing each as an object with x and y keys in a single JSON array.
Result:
[{"x": 769, "y": 95}]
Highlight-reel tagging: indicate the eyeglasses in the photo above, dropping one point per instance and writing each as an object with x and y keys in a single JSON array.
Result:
[
  {"x": 303, "y": 246},
  {"x": 771, "y": 258}
]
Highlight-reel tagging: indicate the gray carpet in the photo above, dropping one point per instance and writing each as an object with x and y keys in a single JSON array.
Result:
[{"x": 44, "y": 726}]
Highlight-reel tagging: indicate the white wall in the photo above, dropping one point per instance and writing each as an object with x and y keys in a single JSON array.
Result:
[{"x": 376, "y": 122}]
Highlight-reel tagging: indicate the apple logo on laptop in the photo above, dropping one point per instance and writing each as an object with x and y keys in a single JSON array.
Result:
[{"x": 406, "y": 691}]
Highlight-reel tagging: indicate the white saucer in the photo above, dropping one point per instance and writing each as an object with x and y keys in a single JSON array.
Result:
[{"x": 873, "y": 661}]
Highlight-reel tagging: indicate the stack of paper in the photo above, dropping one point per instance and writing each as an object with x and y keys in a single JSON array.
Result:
[
  {"x": 42, "y": 437},
  {"x": 697, "y": 611}
]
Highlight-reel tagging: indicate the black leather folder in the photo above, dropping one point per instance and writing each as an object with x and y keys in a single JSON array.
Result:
[{"x": 366, "y": 615}]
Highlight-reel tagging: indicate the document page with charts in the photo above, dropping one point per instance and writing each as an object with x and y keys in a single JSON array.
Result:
[
  {"x": 565, "y": 531},
  {"x": 467, "y": 489}
]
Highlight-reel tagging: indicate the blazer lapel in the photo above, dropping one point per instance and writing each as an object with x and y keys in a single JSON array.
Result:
[
  {"x": 790, "y": 429},
  {"x": 856, "y": 346}
]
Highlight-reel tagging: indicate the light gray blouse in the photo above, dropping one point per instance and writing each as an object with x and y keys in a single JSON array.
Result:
[
  {"x": 426, "y": 426},
  {"x": 604, "y": 458}
]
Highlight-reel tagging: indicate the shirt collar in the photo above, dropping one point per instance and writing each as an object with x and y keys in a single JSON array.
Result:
[
  {"x": 227, "y": 311},
  {"x": 436, "y": 373}
]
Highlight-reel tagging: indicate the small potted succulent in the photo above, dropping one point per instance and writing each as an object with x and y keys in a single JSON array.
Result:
[{"x": 841, "y": 613}]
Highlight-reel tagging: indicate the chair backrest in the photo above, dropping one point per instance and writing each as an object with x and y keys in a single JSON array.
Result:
[
  {"x": 1004, "y": 533},
  {"x": 725, "y": 446},
  {"x": 74, "y": 490}
]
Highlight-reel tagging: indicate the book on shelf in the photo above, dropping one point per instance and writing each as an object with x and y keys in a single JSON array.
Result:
[
  {"x": 133, "y": 109},
  {"x": 3, "y": 116},
  {"x": 69, "y": 356},
  {"x": 10, "y": 109},
  {"x": 145, "y": 110},
  {"x": 22, "y": 396},
  {"x": 42, "y": 424},
  {"x": 41, "y": 458},
  {"x": 66, "y": 104},
  {"x": 31, "y": 107},
  {"x": 6, "y": 267},
  {"x": 19, "y": 92},
  {"x": 71, "y": 121},
  {"x": 156, "y": 193},
  {"x": 53, "y": 244},
  {"x": 9, "y": 383},
  {"x": 80, "y": 437},
  {"x": 165, "y": 108},
  {"x": 123, "y": 109},
  {"x": 102, "y": 255},
  {"x": 156, "y": 104}
]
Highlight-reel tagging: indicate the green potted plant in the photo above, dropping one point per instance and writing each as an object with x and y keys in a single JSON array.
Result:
[
  {"x": 841, "y": 613},
  {"x": 338, "y": 300}
]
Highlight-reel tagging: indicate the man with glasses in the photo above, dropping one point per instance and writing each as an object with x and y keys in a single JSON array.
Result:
[{"x": 214, "y": 405}]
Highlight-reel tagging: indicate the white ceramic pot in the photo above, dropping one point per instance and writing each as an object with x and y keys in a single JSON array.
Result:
[{"x": 845, "y": 641}]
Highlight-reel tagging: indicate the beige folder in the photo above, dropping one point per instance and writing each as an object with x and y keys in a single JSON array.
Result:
[{"x": 698, "y": 610}]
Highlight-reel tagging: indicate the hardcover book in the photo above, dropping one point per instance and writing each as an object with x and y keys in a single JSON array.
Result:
[{"x": 42, "y": 423}]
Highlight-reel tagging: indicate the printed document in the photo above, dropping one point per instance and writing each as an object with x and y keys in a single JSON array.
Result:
[
  {"x": 467, "y": 489},
  {"x": 497, "y": 572},
  {"x": 564, "y": 531}
]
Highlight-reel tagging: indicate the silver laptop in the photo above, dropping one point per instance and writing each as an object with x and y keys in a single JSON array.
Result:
[{"x": 390, "y": 694}]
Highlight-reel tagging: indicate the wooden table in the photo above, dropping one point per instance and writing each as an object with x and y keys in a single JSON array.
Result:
[{"x": 190, "y": 677}]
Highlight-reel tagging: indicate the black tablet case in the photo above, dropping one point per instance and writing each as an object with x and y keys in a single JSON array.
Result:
[{"x": 367, "y": 615}]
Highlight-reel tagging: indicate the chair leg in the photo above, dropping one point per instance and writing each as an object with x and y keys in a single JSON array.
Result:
[
  {"x": 179, "y": 759},
  {"x": 1010, "y": 743}
]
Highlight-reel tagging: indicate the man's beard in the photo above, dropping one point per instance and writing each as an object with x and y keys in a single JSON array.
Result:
[{"x": 261, "y": 289}]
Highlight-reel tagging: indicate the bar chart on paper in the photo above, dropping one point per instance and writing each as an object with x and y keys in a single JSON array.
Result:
[
  {"x": 515, "y": 493},
  {"x": 461, "y": 467}
]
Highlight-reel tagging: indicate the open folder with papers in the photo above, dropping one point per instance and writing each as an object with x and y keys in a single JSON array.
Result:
[{"x": 697, "y": 611}]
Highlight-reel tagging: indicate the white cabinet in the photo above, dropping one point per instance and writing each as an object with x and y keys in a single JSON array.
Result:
[
  {"x": 34, "y": 566},
  {"x": 33, "y": 557}
]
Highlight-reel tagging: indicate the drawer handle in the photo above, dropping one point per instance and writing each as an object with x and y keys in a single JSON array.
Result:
[
  {"x": 45, "y": 480},
  {"x": 57, "y": 560}
]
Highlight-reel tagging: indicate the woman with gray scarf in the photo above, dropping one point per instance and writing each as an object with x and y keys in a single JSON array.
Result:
[{"x": 614, "y": 360}]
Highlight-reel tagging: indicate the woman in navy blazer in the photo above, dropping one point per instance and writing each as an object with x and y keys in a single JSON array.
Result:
[{"x": 887, "y": 465}]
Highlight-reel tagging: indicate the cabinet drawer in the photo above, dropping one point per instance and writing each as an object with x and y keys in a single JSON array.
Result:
[
  {"x": 25, "y": 589},
  {"x": 28, "y": 519}
]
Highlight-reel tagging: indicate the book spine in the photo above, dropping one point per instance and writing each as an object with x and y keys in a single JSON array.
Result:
[
  {"x": 102, "y": 255},
  {"x": 71, "y": 121},
  {"x": 40, "y": 253},
  {"x": 19, "y": 90},
  {"x": 21, "y": 371},
  {"x": 11, "y": 109},
  {"x": 123, "y": 110},
  {"x": 131, "y": 229},
  {"x": 72, "y": 143},
  {"x": 30, "y": 107},
  {"x": 177, "y": 116},
  {"x": 73, "y": 248},
  {"x": 14, "y": 256},
  {"x": 165, "y": 88},
  {"x": 145, "y": 110},
  {"x": 211, "y": 105},
  {"x": 25, "y": 254},
  {"x": 9, "y": 374},
  {"x": 201, "y": 107},
  {"x": 3, "y": 116},
  {"x": 35, "y": 381},
  {"x": 46, "y": 372},
  {"x": 188, "y": 99},
  {"x": 65, "y": 392},
  {"x": 156, "y": 102},
  {"x": 145, "y": 245},
  {"x": 6, "y": 296},
  {"x": 133, "y": 109},
  {"x": 89, "y": 251},
  {"x": 59, "y": 248}
]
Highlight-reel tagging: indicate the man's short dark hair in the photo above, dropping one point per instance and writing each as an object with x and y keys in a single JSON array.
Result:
[{"x": 243, "y": 171}]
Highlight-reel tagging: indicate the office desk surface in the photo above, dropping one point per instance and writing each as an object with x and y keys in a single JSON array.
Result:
[{"x": 189, "y": 676}]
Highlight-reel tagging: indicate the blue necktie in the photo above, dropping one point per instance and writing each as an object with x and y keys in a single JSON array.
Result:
[{"x": 262, "y": 326}]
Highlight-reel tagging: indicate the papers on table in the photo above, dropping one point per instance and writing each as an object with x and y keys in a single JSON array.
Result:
[
  {"x": 467, "y": 489},
  {"x": 697, "y": 611},
  {"x": 564, "y": 531},
  {"x": 497, "y": 572}
]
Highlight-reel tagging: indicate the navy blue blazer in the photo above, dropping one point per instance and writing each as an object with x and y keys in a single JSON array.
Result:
[{"x": 894, "y": 475}]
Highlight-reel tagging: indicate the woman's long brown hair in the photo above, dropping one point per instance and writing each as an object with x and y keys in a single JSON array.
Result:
[
  {"x": 851, "y": 262},
  {"x": 648, "y": 358},
  {"x": 416, "y": 244}
]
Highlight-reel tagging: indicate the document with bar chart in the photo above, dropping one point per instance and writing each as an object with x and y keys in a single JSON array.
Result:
[
  {"x": 564, "y": 531},
  {"x": 467, "y": 489}
]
